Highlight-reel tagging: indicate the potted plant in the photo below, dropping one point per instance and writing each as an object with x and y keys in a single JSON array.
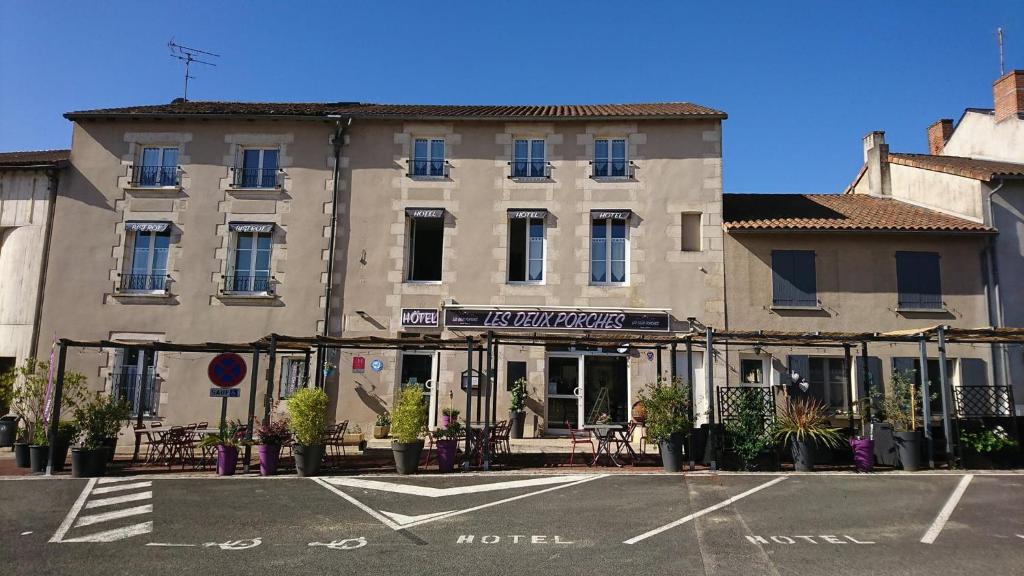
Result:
[
  {"x": 382, "y": 426},
  {"x": 30, "y": 403},
  {"x": 900, "y": 410},
  {"x": 639, "y": 413},
  {"x": 354, "y": 437},
  {"x": 307, "y": 412},
  {"x": 270, "y": 438},
  {"x": 90, "y": 459},
  {"x": 748, "y": 434},
  {"x": 8, "y": 424},
  {"x": 802, "y": 424},
  {"x": 985, "y": 448},
  {"x": 666, "y": 405},
  {"x": 407, "y": 426},
  {"x": 863, "y": 446},
  {"x": 67, "y": 432},
  {"x": 517, "y": 409},
  {"x": 227, "y": 442},
  {"x": 112, "y": 414},
  {"x": 447, "y": 438},
  {"x": 449, "y": 415},
  {"x": 39, "y": 450}
]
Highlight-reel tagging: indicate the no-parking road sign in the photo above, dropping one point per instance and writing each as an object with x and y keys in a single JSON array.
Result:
[{"x": 226, "y": 370}]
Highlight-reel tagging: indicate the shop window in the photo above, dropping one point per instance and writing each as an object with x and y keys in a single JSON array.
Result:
[{"x": 793, "y": 278}]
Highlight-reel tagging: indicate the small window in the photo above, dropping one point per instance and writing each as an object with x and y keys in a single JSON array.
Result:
[
  {"x": 294, "y": 375},
  {"x": 610, "y": 158},
  {"x": 250, "y": 273},
  {"x": 426, "y": 244},
  {"x": 751, "y": 371},
  {"x": 428, "y": 157},
  {"x": 515, "y": 370},
  {"x": 526, "y": 250},
  {"x": 608, "y": 251},
  {"x": 528, "y": 159},
  {"x": 259, "y": 168},
  {"x": 827, "y": 380},
  {"x": 159, "y": 167},
  {"x": 793, "y": 278},
  {"x": 691, "y": 232},
  {"x": 147, "y": 271},
  {"x": 918, "y": 281}
]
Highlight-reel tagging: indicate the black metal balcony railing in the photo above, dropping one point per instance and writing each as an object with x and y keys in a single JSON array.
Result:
[
  {"x": 530, "y": 169},
  {"x": 256, "y": 178},
  {"x": 429, "y": 168},
  {"x": 154, "y": 176},
  {"x": 612, "y": 169},
  {"x": 143, "y": 283},
  {"x": 139, "y": 390},
  {"x": 249, "y": 284}
]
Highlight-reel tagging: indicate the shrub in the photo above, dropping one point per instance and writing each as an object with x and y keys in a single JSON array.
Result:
[
  {"x": 748, "y": 434},
  {"x": 667, "y": 407},
  {"x": 99, "y": 416},
  {"x": 274, "y": 433},
  {"x": 307, "y": 409},
  {"x": 901, "y": 406},
  {"x": 30, "y": 397},
  {"x": 985, "y": 440},
  {"x": 804, "y": 420},
  {"x": 410, "y": 415},
  {"x": 383, "y": 419}
]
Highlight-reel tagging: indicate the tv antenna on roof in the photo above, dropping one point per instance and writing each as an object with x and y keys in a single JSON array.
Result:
[
  {"x": 188, "y": 56},
  {"x": 1002, "y": 64}
]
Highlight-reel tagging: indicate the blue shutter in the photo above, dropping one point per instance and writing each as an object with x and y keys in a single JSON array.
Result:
[
  {"x": 918, "y": 281},
  {"x": 793, "y": 278}
]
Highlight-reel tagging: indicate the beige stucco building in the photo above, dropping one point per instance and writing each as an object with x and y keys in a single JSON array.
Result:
[{"x": 212, "y": 222}]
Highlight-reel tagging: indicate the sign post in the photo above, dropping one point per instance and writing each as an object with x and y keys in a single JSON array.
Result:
[{"x": 225, "y": 371}]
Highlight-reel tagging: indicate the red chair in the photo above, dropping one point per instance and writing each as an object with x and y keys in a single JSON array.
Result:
[{"x": 580, "y": 436}]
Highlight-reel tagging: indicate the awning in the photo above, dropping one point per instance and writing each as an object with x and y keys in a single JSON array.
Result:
[
  {"x": 524, "y": 213},
  {"x": 147, "y": 226},
  {"x": 604, "y": 214},
  {"x": 251, "y": 226},
  {"x": 424, "y": 212}
]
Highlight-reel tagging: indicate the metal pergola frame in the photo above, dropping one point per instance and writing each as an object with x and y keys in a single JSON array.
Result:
[{"x": 487, "y": 344}]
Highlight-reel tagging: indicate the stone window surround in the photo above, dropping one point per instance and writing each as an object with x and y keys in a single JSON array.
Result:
[
  {"x": 240, "y": 141},
  {"x": 128, "y": 247},
  {"x": 226, "y": 252},
  {"x": 136, "y": 141},
  {"x": 107, "y": 370}
]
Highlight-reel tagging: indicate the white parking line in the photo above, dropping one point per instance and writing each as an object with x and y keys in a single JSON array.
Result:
[
  {"x": 947, "y": 510},
  {"x": 700, "y": 513},
  {"x": 119, "y": 487},
  {"x": 73, "y": 513}
]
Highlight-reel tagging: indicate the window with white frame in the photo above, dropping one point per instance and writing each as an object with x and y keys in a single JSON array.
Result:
[
  {"x": 249, "y": 271},
  {"x": 426, "y": 244},
  {"x": 157, "y": 167},
  {"x": 526, "y": 246},
  {"x": 610, "y": 158},
  {"x": 752, "y": 371},
  {"x": 528, "y": 158},
  {"x": 428, "y": 157},
  {"x": 294, "y": 375},
  {"x": 828, "y": 381},
  {"x": 609, "y": 249},
  {"x": 258, "y": 168},
  {"x": 146, "y": 266}
]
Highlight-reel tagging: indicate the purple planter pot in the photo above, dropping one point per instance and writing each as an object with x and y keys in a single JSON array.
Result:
[
  {"x": 446, "y": 454},
  {"x": 270, "y": 454},
  {"x": 227, "y": 460},
  {"x": 863, "y": 453},
  {"x": 445, "y": 420}
]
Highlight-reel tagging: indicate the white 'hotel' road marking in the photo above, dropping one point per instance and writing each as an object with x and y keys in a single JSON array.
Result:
[
  {"x": 429, "y": 492},
  {"x": 116, "y": 534},
  {"x": 115, "y": 479},
  {"x": 75, "y": 509},
  {"x": 119, "y": 487},
  {"x": 113, "y": 515},
  {"x": 700, "y": 513},
  {"x": 947, "y": 510},
  {"x": 118, "y": 499}
]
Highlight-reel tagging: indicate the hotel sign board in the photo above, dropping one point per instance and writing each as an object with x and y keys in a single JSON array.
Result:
[
  {"x": 556, "y": 319},
  {"x": 420, "y": 317}
]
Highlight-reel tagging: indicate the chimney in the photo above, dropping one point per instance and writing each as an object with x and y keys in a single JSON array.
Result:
[
  {"x": 1008, "y": 93},
  {"x": 938, "y": 135},
  {"x": 876, "y": 157}
]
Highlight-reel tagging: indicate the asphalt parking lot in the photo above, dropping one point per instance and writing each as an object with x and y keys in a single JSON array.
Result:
[{"x": 517, "y": 524}]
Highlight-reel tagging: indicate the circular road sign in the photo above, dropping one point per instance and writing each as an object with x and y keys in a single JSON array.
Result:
[{"x": 226, "y": 370}]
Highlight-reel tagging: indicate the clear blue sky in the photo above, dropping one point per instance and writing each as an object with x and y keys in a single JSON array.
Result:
[{"x": 801, "y": 81}]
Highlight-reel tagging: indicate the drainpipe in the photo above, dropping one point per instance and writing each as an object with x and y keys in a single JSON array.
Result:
[
  {"x": 54, "y": 175},
  {"x": 995, "y": 308},
  {"x": 338, "y": 140}
]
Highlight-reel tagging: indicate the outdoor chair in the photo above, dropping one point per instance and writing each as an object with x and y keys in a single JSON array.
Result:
[
  {"x": 142, "y": 433},
  {"x": 430, "y": 447},
  {"x": 502, "y": 432},
  {"x": 335, "y": 441},
  {"x": 578, "y": 437},
  {"x": 623, "y": 442}
]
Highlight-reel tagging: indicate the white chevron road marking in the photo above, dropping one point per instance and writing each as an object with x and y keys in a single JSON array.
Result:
[
  {"x": 112, "y": 515},
  {"x": 110, "y": 512},
  {"x": 429, "y": 492},
  {"x": 118, "y": 499},
  {"x": 115, "y": 534},
  {"x": 120, "y": 487}
]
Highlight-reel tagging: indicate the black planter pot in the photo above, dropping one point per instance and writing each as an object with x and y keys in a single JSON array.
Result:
[
  {"x": 308, "y": 459},
  {"x": 803, "y": 454},
  {"x": 61, "y": 448},
  {"x": 885, "y": 446},
  {"x": 518, "y": 420},
  {"x": 698, "y": 442},
  {"x": 8, "y": 428},
  {"x": 407, "y": 456},
  {"x": 39, "y": 456},
  {"x": 908, "y": 449},
  {"x": 111, "y": 445},
  {"x": 671, "y": 451},
  {"x": 21, "y": 455},
  {"x": 86, "y": 463}
]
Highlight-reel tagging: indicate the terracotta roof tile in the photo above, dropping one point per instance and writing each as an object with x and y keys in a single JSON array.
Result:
[
  {"x": 33, "y": 158},
  {"x": 975, "y": 168},
  {"x": 413, "y": 111},
  {"x": 836, "y": 212}
]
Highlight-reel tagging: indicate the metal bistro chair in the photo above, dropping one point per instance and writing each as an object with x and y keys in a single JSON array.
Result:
[
  {"x": 623, "y": 442},
  {"x": 580, "y": 436},
  {"x": 500, "y": 440},
  {"x": 142, "y": 433}
]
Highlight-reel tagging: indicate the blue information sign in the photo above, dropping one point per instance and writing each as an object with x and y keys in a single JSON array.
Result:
[{"x": 225, "y": 392}]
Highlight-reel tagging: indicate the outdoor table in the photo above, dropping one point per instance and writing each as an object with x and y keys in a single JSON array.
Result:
[{"x": 605, "y": 434}]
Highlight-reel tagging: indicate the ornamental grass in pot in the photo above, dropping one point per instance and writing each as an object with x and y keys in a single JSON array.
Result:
[
  {"x": 447, "y": 438},
  {"x": 407, "y": 423},
  {"x": 307, "y": 413},
  {"x": 666, "y": 405},
  {"x": 227, "y": 442},
  {"x": 270, "y": 438},
  {"x": 803, "y": 424},
  {"x": 901, "y": 408},
  {"x": 517, "y": 409}
]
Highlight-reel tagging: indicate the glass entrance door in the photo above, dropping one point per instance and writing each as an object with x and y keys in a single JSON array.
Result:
[
  {"x": 563, "y": 392},
  {"x": 420, "y": 369},
  {"x": 605, "y": 388}
]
